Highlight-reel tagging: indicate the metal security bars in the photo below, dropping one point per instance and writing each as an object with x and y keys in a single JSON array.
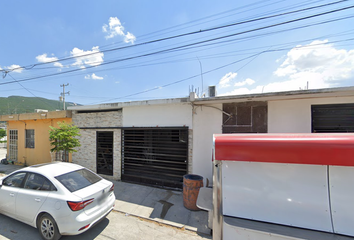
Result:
[
  {"x": 13, "y": 145},
  {"x": 29, "y": 138},
  {"x": 155, "y": 156},
  {"x": 105, "y": 153},
  {"x": 333, "y": 118}
]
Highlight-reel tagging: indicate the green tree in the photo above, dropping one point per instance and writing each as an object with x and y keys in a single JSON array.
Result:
[
  {"x": 64, "y": 138},
  {"x": 2, "y": 133}
]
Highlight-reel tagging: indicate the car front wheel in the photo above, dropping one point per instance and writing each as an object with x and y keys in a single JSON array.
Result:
[{"x": 48, "y": 228}]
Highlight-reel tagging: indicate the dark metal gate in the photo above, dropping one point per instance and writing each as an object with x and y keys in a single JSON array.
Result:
[
  {"x": 155, "y": 156},
  {"x": 333, "y": 118},
  {"x": 105, "y": 153}
]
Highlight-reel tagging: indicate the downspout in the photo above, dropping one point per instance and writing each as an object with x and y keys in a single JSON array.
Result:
[{"x": 24, "y": 123}]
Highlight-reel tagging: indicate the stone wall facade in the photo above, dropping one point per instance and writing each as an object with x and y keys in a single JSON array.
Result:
[
  {"x": 93, "y": 122},
  {"x": 98, "y": 119},
  {"x": 90, "y": 124}
]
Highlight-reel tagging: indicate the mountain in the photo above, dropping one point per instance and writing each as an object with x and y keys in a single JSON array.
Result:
[{"x": 18, "y": 104}]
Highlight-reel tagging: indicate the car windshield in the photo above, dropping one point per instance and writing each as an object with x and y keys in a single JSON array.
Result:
[{"x": 79, "y": 179}]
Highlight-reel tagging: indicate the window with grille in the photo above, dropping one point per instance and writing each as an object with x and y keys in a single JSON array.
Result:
[
  {"x": 29, "y": 138},
  {"x": 332, "y": 118},
  {"x": 13, "y": 140},
  {"x": 104, "y": 153}
]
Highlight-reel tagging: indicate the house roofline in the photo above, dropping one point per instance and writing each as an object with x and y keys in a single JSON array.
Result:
[
  {"x": 286, "y": 95},
  {"x": 273, "y": 96},
  {"x": 36, "y": 116}
]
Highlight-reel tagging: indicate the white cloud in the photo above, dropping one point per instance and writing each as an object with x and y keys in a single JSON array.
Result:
[
  {"x": 129, "y": 38},
  {"x": 225, "y": 80},
  {"x": 43, "y": 59},
  {"x": 240, "y": 91},
  {"x": 318, "y": 65},
  {"x": 93, "y": 57},
  {"x": 15, "y": 68},
  {"x": 248, "y": 81},
  {"x": 93, "y": 76},
  {"x": 298, "y": 83},
  {"x": 318, "y": 59},
  {"x": 115, "y": 28}
]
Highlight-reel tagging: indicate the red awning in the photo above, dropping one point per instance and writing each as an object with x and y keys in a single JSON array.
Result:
[{"x": 312, "y": 148}]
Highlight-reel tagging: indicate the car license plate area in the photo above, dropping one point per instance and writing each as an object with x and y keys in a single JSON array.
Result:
[{"x": 103, "y": 196}]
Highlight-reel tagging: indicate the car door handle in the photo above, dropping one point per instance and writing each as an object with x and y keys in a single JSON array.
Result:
[
  {"x": 37, "y": 199},
  {"x": 12, "y": 194}
]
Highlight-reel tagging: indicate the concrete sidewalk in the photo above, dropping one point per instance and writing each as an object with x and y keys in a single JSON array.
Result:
[
  {"x": 9, "y": 168},
  {"x": 159, "y": 205}
]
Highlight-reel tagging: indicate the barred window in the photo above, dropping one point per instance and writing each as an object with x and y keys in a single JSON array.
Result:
[
  {"x": 29, "y": 138},
  {"x": 13, "y": 145}
]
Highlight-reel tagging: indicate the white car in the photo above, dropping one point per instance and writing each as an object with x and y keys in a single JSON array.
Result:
[{"x": 56, "y": 198}]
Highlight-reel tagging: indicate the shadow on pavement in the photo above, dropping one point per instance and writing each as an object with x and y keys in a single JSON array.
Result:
[
  {"x": 16, "y": 230},
  {"x": 158, "y": 204}
]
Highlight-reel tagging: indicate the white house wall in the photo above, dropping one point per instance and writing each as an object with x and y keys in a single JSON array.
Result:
[
  {"x": 207, "y": 120},
  {"x": 202, "y": 125},
  {"x": 168, "y": 115},
  {"x": 294, "y": 116}
]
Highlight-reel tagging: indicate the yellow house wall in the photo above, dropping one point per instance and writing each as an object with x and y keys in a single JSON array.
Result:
[{"x": 41, "y": 151}]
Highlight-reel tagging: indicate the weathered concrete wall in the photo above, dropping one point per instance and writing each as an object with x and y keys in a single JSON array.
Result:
[
  {"x": 86, "y": 154},
  {"x": 207, "y": 120},
  {"x": 294, "y": 116},
  {"x": 190, "y": 151},
  {"x": 169, "y": 115},
  {"x": 41, "y": 151}
]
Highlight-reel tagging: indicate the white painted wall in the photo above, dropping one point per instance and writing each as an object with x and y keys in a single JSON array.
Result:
[
  {"x": 277, "y": 193},
  {"x": 294, "y": 116},
  {"x": 206, "y": 122},
  {"x": 168, "y": 115}
]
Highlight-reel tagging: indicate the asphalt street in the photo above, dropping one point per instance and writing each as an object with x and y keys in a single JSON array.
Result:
[{"x": 115, "y": 226}]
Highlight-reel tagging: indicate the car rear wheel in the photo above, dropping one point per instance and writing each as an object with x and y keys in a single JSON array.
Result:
[{"x": 48, "y": 228}]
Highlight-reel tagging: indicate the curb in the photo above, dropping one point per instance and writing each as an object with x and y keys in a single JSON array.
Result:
[{"x": 165, "y": 222}]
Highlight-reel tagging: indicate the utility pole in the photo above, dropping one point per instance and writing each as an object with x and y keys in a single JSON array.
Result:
[{"x": 63, "y": 94}]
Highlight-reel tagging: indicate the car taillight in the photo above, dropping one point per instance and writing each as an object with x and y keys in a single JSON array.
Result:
[
  {"x": 112, "y": 188},
  {"x": 76, "y": 206},
  {"x": 84, "y": 227}
]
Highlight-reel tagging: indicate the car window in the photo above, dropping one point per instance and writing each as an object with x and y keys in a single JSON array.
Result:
[
  {"x": 79, "y": 179},
  {"x": 14, "y": 180},
  {"x": 37, "y": 182}
]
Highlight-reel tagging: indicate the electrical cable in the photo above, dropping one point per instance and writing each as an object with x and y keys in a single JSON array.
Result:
[
  {"x": 28, "y": 90},
  {"x": 205, "y": 30},
  {"x": 196, "y": 43}
]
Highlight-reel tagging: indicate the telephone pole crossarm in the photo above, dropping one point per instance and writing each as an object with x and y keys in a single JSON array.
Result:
[{"x": 63, "y": 93}]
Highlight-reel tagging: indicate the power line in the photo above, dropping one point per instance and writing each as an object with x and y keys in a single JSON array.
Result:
[
  {"x": 252, "y": 57},
  {"x": 203, "y": 31},
  {"x": 27, "y": 89},
  {"x": 184, "y": 47}
]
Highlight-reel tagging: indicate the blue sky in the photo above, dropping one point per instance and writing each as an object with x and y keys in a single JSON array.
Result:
[{"x": 113, "y": 51}]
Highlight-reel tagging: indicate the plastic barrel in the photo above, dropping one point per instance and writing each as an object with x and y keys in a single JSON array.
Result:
[{"x": 191, "y": 185}]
